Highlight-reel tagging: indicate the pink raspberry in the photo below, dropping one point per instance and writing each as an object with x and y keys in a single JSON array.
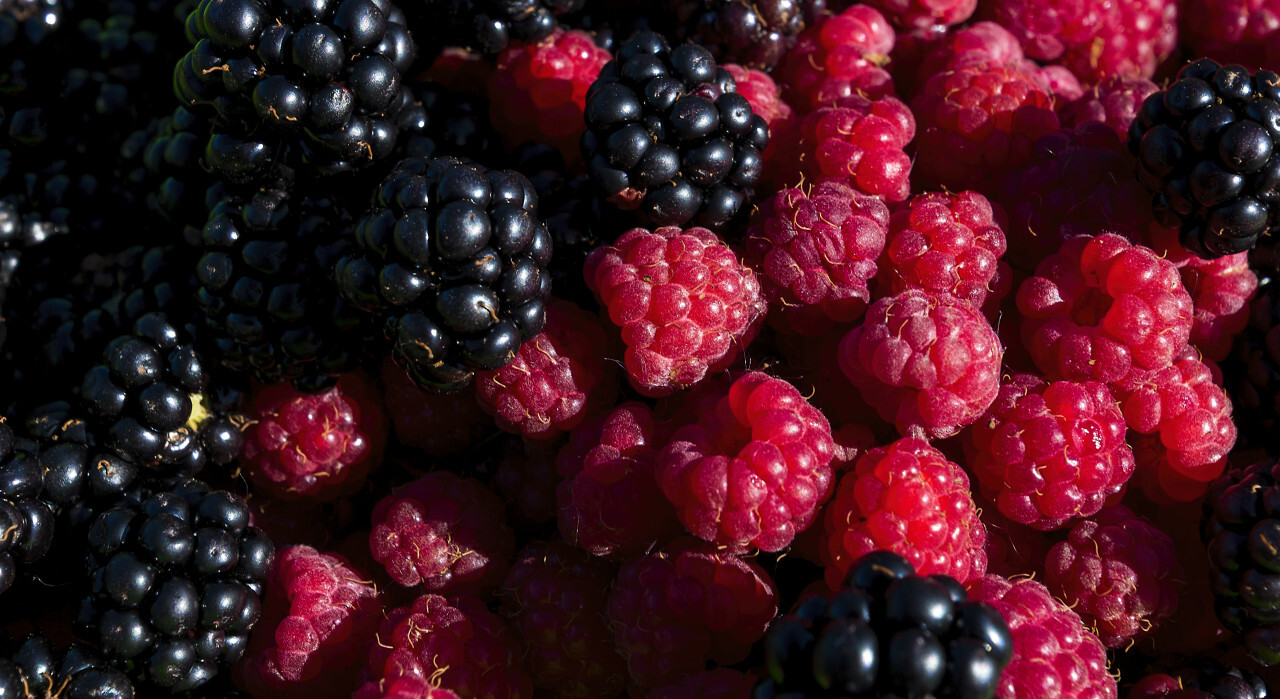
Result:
[
  {"x": 1054, "y": 656},
  {"x": 1233, "y": 31},
  {"x": 1103, "y": 306},
  {"x": 684, "y": 302},
  {"x": 1220, "y": 291},
  {"x": 439, "y": 425},
  {"x": 762, "y": 92},
  {"x": 1049, "y": 452},
  {"x": 860, "y": 141},
  {"x": 555, "y": 595},
  {"x": 526, "y": 478},
  {"x": 316, "y": 614},
  {"x": 1061, "y": 83},
  {"x": 443, "y": 532},
  {"x": 925, "y": 13},
  {"x": 314, "y": 446},
  {"x": 976, "y": 44},
  {"x": 674, "y": 610},
  {"x": 1117, "y": 571},
  {"x": 455, "y": 644},
  {"x": 753, "y": 471},
  {"x": 929, "y": 364},
  {"x": 1114, "y": 101},
  {"x": 539, "y": 91},
  {"x": 719, "y": 683},
  {"x": 555, "y": 379},
  {"x": 838, "y": 57},
  {"x": 909, "y": 499},
  {"x": 816, "y": 252}
]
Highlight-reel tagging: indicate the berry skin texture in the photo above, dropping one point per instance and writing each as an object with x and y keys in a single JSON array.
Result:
[
  {"x": 921, "y": 14},
  {"x": 404, "y": 687},
  {"x": 1114, "y": 101},
  {"x": 1204, "y": 678},
  {"x": 676, "y": 609},
  {"x": 1103, "y": 306},
  {"x": 928, "y": 364},
  {"x": 1220, "y": 290},
  {"x": 762, "y": 92},
  {"x": 838, "y": 57},
  {"x": 752, "y": 471},
  {"x": 816, "y": 253},
  {"x": 909, "y": 499},
  {"x": 860, "y": 141},
  {"x": 684, "y": 302},
  {"x": 444, "y": 533},
  {"x": 1118, "y": 571},
  {"x": 1232, "y": 31},
  {"x": 439, "y": 425}
]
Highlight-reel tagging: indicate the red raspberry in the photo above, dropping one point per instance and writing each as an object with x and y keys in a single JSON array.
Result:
[
  {"x": 439, "y": 425},
  {"x": 404, "y": 687},
  {"x": 1054, "y": 656},
  {"x": 1117, "y": 571},
  {"x": 539, "y": 91},
  {"x": 909, "y": 499},
  {"x": 318, "y": 446},
  {"x": 1061, "y": 83},
  {"x": 1233, "y": 31},
  {"x": 1221, "y": 290},
  {"x": 609, "y": 500},
  {"x": 1049, "y": 452},
  {"x": 685, "y": 304},
  {"x": 1102, "y": 306},
  {"x": 720, "y": 683},
  {"x": 859, "y": 141},
  {"x": 316, "y": 614},
  {"x": 443, "y": 532},
  {"x": 752, "y": 471},
  {"x": 838, "y": 57},
  {"x": 977, "y": 44},
  {"x": 1114, "y": 101},
  {"x": 556, "y": 596},
  {"x": 555, "y": 379},
  {"x": 925, "y": 13},
  {"x": 526, "y": 478},
  {"x": 674, "y": 610},
  {"x": 455, "y": 644},
  {"x": 816, "y": 252},
  {"x": 762, "y": 92},
  {"x": 929, "y": 364}
]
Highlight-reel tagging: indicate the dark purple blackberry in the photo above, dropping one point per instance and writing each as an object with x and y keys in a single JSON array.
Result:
[
  {"x": 753, "y": 33},
  {"x": 436, "y": 121},
  {"x": 26, "y": 519},
  {"x": 488, "y": 25},
  {"x": 1202, "y": 678},
  {"x": 887, "y": 633},
  {"x": 1205, "y": 148},
  {"x": 1251, "y": 374},
  {"x": 32, "y": 669},
  {"x": 175, "y": 585},
  {"x": 454, "y": 258},
  {"x": 668, "y": 133},
  {"x": 160, "y": 165}
]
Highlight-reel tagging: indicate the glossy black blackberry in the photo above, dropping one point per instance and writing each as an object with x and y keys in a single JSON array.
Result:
[
  {"x": 436, "y": 121},
  {"x": 175, "y": 585},
  {"x": 668, "y": 133},
  {"x": 753, "y": 33},
  {"x": 161, "y": 166},
  {"x": 887, "y": 633},
  {"x": 1205, "y": 148},
  {"x": 26, "y": 519},
  {"x": 32, "y": 669},
  {"x": 1202, "y": 678},
  {"x": 1251, "y": 374},
  {"x": 489, "y": 26},
  {"x": 454, "y": 258}
]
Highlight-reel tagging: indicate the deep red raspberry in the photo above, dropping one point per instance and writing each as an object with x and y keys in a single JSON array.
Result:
[
  {"x": 753, "y": 471},
  {"x": 539, "y": 91},
  {"x": 1220, "y": 290},
  {"x": 838, "y": 57},
  {"x": 1114, "y": 101},
  {"x": 684, "y": 302},
  {"x": 910, "y": 499},
  {"x": 439, "y": 425},
  {"x": 720, "y": 683},
  {"x": 815, "y": 253},
  {"x": 976, "y": 44},
  {"x": 1118, "y": 572},
  {"x": 1054, "y": 656},
  {"x": 762, "y": 92},
  {"x": 404, "y": 687},
  {"x": 674, "y": 610},
  {"x": 609, "y": 500},
  {"x": 455, "y": 644},
  {"x": 317, "y": 613},
  {"x": 556, "y": 596},
  {"x": 925, "y": 13},
  {"x": 857, "y": 140},
  {"x": 929, "y": 364},
  {"x": 443, "y": 532},
  {"x": 1233, "y": 31},
  {"x": 314, "y": 446},
  {"x": 526, "y": 478},
  {"x": 1103, "y": 306},
  {"x": 1049, "y": 452},
  {"x": 555, "y": 379}
]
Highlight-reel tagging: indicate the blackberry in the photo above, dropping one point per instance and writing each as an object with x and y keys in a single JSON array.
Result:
[
  {"x": 887, "y": 632},
  {"x": 453, "y": 257},
  {"x": 26, "y": 519},
  {"x": 1203, "y": 678},
  {"x": 1251, "y": 374},
  {"x": 175, "y": 584},
  {"x": 31, "y": 669},
  {"x": 489, "y": 25},
  {"x": 1206, "y": 148},
  {"x": 668, "y": 133},
  {"x": 160, "y": 164},
  {"x": 437, "y": 121},
  {"x": 752, "y": 34}
]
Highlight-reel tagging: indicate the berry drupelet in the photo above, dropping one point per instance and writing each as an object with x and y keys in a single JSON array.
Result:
[
  {"x": 26, "y": 519},
  {"x": 31, "y": 669},
  {"x": 1201, "y": 679},
  {"x": 489, "y": 26},
  {"x": 754, "y": 34}
]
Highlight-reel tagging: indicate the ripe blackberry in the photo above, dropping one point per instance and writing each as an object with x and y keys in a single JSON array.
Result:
[
  {"x": 454, "y": 257},
  {"x": 1253, "y": 372},
  {"x": 175, "y": 583},
  {"x": 754, "y": 34},
  {"x": 489, "y": 26},
  {"x": 1204, "y": 148},
  {"x": 1204, "y": 679},
  {"x": 762, "y": 92},
  {"x": 30, "y": 668},
  {"x": 27, "y": 521},
  {"x": 887, "y": 631},
  {"x": 839, "y": 56},
  {"x": 668, "y": 133}
]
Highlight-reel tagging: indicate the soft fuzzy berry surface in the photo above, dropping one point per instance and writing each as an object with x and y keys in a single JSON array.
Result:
[
  {"x": 1220, "y": 290},
  {"x": 916, "y": 14},
  {"x": 1232, "y": 31},
  {"x": 1113, "y": 101},
  {"x": 854, "y": 139},
  {"x": 839, "y": 57}
]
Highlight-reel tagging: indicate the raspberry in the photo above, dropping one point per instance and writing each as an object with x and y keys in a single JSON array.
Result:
[
  {"x": 556, "y": 596},
  {"x": 838, "y": 57},
  {"x": 1232, "y": 31},
  {"x": 685, "y": 304},
  {"x": 1049, "y": 452},
  {"x": 555, "y": 379},
  {"x": 526, "y": 478},
  {"x": 977, "y": 44},
  {"x": 455, "y": 644},
  {"x": 927, "y": 364},
  {"x": 1061, "y": 83},
  {"x": 674, "y": 610},
  {"x": 317, "y": 613},
  {"x": 609, "y": 500},
  {"x": 816, "y": 252},
  {"x": 1220, "y": 291},
  {"x": 925, "y": 13},
  {"x": 1054, "y": 656},
  {"x": 539, "y": 91},
  {"x": 405, "y": 687},
  {"x": 909, "y": 499},
  {"x": 1117, "y": 571},
  {"x": 1204, "y": 679},
  {"x": 946, "y": 244},
  {"x": 439, "y": 425},
  {"x": 762, "y": 92},
  {"x": 1102, "y": 306},
  {"x": 1113, "y": 101},
  {"x": 720, "y": 683},
  {"x": 752, "y": 471},
  {"x": 860, "y": 141},
  {"x": 443, "y": 532}
]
